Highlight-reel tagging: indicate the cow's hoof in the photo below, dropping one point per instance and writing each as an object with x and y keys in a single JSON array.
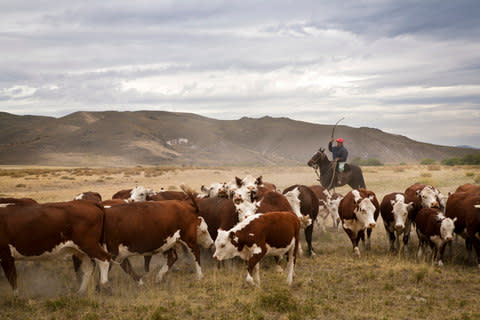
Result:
[
  {"x": 278, "y": 269},
  {"x": 104, "y": 289},
  {"x": 356, "y": 251}
]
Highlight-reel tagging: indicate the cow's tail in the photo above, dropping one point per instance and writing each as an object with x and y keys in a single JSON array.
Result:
[{"x": 191, "y": 194}]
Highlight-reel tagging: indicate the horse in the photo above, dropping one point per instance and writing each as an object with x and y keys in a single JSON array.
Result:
[{"x": 352, "y": 176}]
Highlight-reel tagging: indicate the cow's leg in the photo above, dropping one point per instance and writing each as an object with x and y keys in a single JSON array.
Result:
[
  {"x": 103, "y": 267},
  {"x": 8, "y": 266},
  {"x": 257, "y": 273},
  {"x": 171, "y": 256},
  {"x": 85, "y": 270},
  {"x": 406, "y": 237},
  {"x": 354, "y": 238},
  {"x": 308, "y": 238},
  {"x": 391, "y": 239},
  {"x": 278, "y": 267},
  {"x": 146, "y": 263},
  {"x": 252, "y": 262},
  {"x": 195, "y": 251},
  {"x": 369, "y": 233},
  {"x": 441, "y": 251},
  {"x": 290, "y": 265},
  {"x": 127, "y": 267}
]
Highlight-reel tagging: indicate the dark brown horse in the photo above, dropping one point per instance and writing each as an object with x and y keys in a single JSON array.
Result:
[{"x": 352, "y": 175}]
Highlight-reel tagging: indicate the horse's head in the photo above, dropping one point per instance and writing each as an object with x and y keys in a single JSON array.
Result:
[{"x": 320, "y": 155}]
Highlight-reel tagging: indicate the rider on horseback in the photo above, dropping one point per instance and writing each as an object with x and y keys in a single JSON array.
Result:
[{"x": 339, "y": 154}]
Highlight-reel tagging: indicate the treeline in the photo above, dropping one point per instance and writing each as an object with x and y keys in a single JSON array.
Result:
[{"x": 466, "y": 160}]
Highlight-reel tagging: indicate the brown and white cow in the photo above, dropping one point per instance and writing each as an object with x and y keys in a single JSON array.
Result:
[
  {"x": 308, "y": 202},
  {"x": 44, "y": 231},
  {"x": 359, "y": 210},
  {"x": 395, "y": 217},
  {"x": 465, "y": 208},
  {"x": 423, "y": 196},
  {"x": 434, "y": 229},
  {"x": 139, "y": 193},
  {"x": 273, "y": 233},
  {"x": 89, "y": 195},
  {"x": 153, "y": 227},
  {"x": 214, "y": 190}
]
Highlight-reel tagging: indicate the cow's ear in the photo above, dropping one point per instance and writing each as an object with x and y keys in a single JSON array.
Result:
[
  {"x": 371, "y": 197},
  {"x": 454, "y": 219},
  {"x": 238, "y": 181},
  {"x": 477, "y": 206},
  {"x": 417, "y": 193},
  {"x": 203, "y": 188},
  {"x": 410, "y": 206},
  {"x": 259, "y": 180}
]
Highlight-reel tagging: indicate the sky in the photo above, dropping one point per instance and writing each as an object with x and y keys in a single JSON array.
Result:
[{"x": 405, "y": 67}]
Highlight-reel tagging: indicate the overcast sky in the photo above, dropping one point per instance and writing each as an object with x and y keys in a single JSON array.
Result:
[{"x": 405, "y": 67}]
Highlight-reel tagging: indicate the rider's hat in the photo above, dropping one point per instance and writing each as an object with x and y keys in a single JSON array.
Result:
[{"x": 340, "y": 140}]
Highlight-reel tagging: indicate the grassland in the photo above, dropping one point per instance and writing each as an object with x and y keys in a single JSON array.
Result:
[{"x": 331, "y": 285}]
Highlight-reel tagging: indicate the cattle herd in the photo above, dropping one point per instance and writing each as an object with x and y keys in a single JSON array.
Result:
[{"x": 246, "y": 218}]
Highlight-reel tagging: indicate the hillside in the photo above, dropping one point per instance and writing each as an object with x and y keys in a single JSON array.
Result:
[{"x": 155, "y": 138}]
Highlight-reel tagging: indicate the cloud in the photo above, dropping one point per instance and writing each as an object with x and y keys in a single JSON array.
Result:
[{"x": 384, "y": 64}]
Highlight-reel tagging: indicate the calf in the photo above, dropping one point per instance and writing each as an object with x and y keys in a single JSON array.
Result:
[
  {"x": 327, "y": 205},
  {"x": 89, "y": 195},
  {"x": 44, "y": 231},
  {"x": 139, "y": 193},
  {"x": 436, "y": 230},
  {"x": 394, "y": 213},
  {"x": 273, "y": 233},
  {"x": 147, "y": 228},
  {"x": 308, "y": 210},
  {"x": 215, "y": 190},
  {"x": 358, "y": 211}
]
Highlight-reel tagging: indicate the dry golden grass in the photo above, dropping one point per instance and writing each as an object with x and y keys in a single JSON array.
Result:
[{"x": 331, "y": 285}]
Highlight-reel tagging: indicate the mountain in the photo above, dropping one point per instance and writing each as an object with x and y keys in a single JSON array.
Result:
[{"x": 156, "y": 138}]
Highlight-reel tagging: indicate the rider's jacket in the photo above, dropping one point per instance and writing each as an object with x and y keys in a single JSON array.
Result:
[{"x": 338, "y": 152}]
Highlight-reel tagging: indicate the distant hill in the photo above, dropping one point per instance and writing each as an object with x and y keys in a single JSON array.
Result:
[{"x": 155, "y": 138}]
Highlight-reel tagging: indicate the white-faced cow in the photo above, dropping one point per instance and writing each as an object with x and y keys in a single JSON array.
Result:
[
  {"x": 273, "y": 233},
  {"x": 434, "y": 229},
  {"x": 44, "y": 231},
  {"x": 308, "y": 202},
  {"x": 395, "y": 217},
  {"x": 359, "y": 211},
  {"x": 89, "y": 195},
  {"x": 422, "y": 196}
]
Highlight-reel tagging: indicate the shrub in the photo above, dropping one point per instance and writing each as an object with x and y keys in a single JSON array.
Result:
[
  {"x": 21, "y": 185},
  {"x": 477, "y": 179},
  {"x": 367, "y": 162},
  {"x": 469, "y": 174},
  {"x": 434, "y": 167},
  {"x": 427, "y": 161},
  {"x": 468, "y": 159}
]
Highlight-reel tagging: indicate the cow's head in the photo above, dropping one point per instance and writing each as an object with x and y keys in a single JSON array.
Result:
[
  {"x": 203, "y": 236},
  {"x": 226, "y": 245},
  {"x": 400, "y": 211},
  {"x": 245, "y": 209},
  {"x": 428, "y": 197},
  {"x": 364, "y": 209},
  {"x": 248, "y": 184},
  {"x": 138, "y": 194},
  {"x": 447, "y": 228}
]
